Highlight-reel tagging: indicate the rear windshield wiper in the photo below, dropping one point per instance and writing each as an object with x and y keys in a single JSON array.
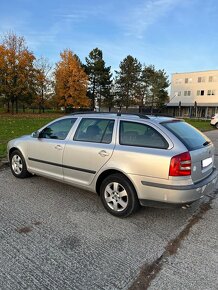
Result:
[{"x": 206, "y": 143}]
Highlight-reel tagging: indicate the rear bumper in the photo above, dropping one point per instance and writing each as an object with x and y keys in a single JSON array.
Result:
[{"x": 178, "y": 194}]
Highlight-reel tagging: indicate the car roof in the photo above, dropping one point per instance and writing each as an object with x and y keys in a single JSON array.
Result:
[{"x": 129, "y": 116}]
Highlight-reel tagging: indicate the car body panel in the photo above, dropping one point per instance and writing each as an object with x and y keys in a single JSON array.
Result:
[
  {"x": 214, "y": 120},
  {"x": 80, "y": 163}
]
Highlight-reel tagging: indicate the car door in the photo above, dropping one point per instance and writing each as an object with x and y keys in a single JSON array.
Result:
[
  {"x": 45, "y": 153},
  {"x": 142, "y": 150},
  {"x": 88, "y": 150}
]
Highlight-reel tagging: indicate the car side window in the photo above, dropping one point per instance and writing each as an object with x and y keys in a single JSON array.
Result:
[
  {"x": 95, "y": 130},
  {"x": 58, "y": 130},
  {"x": 141, "y": 135}
]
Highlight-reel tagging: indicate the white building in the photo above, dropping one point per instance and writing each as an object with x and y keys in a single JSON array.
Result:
[{"x": 194, "y": 94}]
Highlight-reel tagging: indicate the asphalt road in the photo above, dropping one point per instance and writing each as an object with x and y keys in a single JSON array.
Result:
[{"x": 54, "y": 236}]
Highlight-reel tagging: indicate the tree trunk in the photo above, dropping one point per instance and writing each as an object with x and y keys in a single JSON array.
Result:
[
  {"x": 16, "y": 104},
  {"x": 8, "y": 107},
  {"x": 12, "y": 106}
]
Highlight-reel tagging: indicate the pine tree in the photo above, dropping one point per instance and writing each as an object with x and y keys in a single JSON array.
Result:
[
  {"x": 99, "y": 78},
  {"x": 128, "y": 82}
]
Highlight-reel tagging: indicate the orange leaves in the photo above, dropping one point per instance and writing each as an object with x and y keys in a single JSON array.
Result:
[
  {"x": 16, "y": 67},
  {"x": 71, "y": 81}
]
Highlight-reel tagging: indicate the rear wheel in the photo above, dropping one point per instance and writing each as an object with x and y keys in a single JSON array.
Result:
[
  {"x": 216, "y": 125},
  {"x": 118, "y": 195},
  {"x": 18, "y": 165}
]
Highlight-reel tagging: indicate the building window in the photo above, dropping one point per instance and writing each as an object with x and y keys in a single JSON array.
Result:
[
  {"x": 188, "y": 80},
  {"x": 212, "y": 79},
  {"x": 178, "y": 81},
  {"x": 211, "y": 92},
  {"x": 202, "y": 92},
  {"x": 201, "y": 79},
  {"x": 198, "y": 93},
  {"x": 178, "y": 94},
  {"x": 187, "y": 93}
]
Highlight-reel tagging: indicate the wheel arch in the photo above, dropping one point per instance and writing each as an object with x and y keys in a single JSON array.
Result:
[
  {"x": 12, "y": 150},
  {"x": 107, "y": 173}
]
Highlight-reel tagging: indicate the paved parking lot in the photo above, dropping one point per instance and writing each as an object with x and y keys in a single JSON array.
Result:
[{"x": 54, "y": 236}]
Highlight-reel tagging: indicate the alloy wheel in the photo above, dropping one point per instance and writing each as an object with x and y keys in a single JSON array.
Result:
[
  {"x": 17, "y": 164},
  {"x": 116, "y": 196}
]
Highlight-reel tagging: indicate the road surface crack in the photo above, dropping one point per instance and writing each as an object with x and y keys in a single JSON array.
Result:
[{"x": 149, "y": 271}]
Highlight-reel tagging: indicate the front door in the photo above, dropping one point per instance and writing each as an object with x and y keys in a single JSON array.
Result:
[{"x": 46, "y": 152}]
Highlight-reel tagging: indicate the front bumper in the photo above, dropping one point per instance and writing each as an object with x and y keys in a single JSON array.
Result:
[{"x": 178, "y": 194}]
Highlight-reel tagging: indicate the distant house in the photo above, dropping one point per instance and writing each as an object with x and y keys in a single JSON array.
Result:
[{"x": 194, "y": 94}]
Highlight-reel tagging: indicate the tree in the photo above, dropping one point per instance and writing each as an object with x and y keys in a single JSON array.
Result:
[
  {"x": 71, "y": 82},
  {"x": 128, "y": 82},
  {"x": 99, "y": 79},
  {"x": 16, "y": 70},
  {"x": 159, "y": 89},
  {"x": 153, "y": 87},
  {"x": 43, "y": 82}
]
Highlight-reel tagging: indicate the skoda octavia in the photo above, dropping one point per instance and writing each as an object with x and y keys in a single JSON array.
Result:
[{"x": 129, "y": 160}]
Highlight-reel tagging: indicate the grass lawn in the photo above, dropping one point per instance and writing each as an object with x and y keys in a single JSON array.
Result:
[
  {"x": 22, "y": 124},
  {"x": 12, "y": 126},
  {"x": 202, "y": 125}
]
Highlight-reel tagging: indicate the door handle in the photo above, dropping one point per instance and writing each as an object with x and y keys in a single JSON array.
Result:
[
  {"x": 103, "y": 153},
  {"x": 58, "y": 147}
]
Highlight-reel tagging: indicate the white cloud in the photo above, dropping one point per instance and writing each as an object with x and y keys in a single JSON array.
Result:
[{"x": 146, "y": 14}]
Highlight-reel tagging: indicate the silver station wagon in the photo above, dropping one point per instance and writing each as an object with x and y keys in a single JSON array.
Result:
[{"x": 129, "y": 160}]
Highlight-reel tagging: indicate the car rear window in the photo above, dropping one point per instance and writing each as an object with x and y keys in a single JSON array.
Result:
[{"x": 189, "y": 136}]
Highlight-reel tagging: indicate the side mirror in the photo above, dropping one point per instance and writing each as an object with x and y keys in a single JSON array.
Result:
[{"x": 35, "y": 134}]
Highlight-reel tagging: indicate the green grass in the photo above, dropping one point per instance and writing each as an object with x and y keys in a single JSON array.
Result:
[
  {"x": 202, "y": 125},
  {"x": 12, "y": 126}
]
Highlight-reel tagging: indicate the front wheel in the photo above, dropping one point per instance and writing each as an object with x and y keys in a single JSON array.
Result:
[
  {"x": 216, "y": 125},
  {"x": 118, "y": 195},
  {"x": 18, "y": 165}
]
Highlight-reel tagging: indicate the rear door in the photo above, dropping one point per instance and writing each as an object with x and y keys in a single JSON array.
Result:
[
  {"x": 142, "y": 150},
  {"x": 199, "y": 146},
  {"x": 88, "y": 150}
]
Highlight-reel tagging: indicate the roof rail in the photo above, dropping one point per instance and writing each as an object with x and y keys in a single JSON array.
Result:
[
  {"x": 134, "y": 114},
  {"x": 116, "y": 113}
]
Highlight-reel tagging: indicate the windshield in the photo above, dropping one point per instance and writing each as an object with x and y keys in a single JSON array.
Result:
[{"x": 189, "y": 136}]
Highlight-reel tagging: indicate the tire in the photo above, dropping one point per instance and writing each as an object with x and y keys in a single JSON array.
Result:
[
  {"x": 216, "y": 125},
  {"x": 18, "y": 165},
  {"x": 118, "y": 195}
]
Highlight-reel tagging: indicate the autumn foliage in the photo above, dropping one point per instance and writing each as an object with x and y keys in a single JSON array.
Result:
[
  {"x": 27, "y": 82},
  {"x": 71, "y": 82},
  {"x": 16, "y": 70}
]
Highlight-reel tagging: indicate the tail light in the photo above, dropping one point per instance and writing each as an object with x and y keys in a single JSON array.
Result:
[{"x": 180, "y": 165}]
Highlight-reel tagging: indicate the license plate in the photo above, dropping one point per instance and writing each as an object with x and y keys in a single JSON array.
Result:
[{"x": 206, "y": 162}]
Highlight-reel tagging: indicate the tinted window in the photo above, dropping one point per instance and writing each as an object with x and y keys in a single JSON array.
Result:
[
  {"x": 95, "y": 130},
  {"x": 190, "y": 137},
  {"x": 136, "y": 134},
  {"x": 58, "y": 130}
]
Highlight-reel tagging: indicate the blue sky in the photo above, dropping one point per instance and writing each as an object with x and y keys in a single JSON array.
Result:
[{"x": 175, "y": 35}]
